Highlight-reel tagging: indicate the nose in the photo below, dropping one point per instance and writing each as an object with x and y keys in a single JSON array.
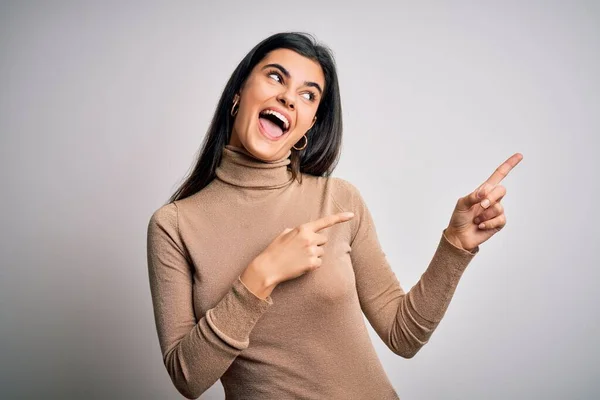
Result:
[{"x": 286, "y": 100}]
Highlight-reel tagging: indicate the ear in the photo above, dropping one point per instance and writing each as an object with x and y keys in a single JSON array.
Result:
[{"x": 314, "y": 120}]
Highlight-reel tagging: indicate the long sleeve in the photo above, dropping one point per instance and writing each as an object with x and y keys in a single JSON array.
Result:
[
  {"x": 195, "y": 353},
  {"x": 404, "y": 321}
]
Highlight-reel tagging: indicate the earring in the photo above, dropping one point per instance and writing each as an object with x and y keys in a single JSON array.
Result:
[
  {"x": 234, "y": 110},
  {"x": 305, "y": 143}
]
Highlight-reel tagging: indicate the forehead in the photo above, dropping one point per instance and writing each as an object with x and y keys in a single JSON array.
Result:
[{"x": 300, "y": 68}]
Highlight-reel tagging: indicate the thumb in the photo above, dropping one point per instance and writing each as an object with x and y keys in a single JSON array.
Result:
[{"x": 476, "y": 196}]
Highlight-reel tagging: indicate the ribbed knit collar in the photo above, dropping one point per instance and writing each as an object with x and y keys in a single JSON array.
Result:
[{"x": 240, "y": 168}]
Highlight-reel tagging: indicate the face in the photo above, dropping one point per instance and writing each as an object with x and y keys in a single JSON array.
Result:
[{"x": 277, "y": 104}]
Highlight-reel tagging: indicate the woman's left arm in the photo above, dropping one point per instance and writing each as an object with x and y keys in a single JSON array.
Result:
[{"x": 406, "y": 321}]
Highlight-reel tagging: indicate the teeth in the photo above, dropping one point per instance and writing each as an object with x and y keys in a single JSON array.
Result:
[{"x": 283, "y": 119}]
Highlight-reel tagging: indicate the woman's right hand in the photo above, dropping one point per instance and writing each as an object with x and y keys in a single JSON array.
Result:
[{"x": 291, "y": 254}]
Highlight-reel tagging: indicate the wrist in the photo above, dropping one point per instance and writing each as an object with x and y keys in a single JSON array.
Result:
[
  {"x": 453, "y": 239},
  {"x": 256, "y": 278}
]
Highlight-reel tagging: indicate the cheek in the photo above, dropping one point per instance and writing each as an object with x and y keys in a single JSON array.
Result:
[
  {"x": 255, "y": 95},
  {"x": 246, "y": 113},
  {"x": 257, "y": 92},
  {"x": 305, "y": 118},
  {"x": 243, "y": 122}
]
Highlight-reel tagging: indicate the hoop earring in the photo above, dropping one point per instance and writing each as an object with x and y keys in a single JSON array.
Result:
[
  {"x": 234, "y": 110},
  {"x": 305, "y": 144}
]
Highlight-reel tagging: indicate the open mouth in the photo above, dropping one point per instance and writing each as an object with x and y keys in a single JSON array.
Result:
[{"x": 274, "y": 123}]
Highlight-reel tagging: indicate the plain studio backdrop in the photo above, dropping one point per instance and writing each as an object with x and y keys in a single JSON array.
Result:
[{"x": 103, "y": 106}]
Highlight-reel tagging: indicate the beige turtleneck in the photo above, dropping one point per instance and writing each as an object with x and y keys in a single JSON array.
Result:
[{"x": 308, "y": 339}]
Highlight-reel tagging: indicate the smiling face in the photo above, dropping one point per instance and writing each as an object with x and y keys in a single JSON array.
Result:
[{"x": 277, "y": 104}]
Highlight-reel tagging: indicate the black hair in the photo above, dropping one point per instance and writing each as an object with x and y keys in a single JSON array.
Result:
[{"x": 322, "y": 153}]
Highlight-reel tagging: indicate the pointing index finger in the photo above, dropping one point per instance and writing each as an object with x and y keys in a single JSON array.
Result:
[
  {"x": 502, "y": 171},
  {"x": 328, "y": 221}
]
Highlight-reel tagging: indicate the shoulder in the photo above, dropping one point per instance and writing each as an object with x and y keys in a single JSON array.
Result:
[
  {"x": 345, "y": 193},
  {"x": 163, "y": 228},
  {"x": 174, "y": 212},
  {"x": 343, "y": 186},
  {"x": 339, "y": 190},
  {"x": 164, "y": 218}
]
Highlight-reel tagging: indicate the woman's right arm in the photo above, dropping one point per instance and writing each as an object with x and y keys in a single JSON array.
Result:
[{"x": 195, "y": 353}]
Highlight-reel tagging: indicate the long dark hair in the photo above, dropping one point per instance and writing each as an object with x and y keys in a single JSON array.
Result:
[{"x": 322, "y": 153}]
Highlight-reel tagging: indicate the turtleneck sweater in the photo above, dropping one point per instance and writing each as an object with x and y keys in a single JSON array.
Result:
[{"x": 308, "y": 338}]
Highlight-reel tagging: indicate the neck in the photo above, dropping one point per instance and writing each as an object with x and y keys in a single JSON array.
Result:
[{"x": 240, "y": 168}]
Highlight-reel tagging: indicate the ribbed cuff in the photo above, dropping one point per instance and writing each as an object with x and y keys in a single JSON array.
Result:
[
  {"x": 234, "y": 317},
  {"x": 445, "y": 242}
]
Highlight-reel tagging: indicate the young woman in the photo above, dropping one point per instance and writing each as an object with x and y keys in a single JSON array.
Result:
[{"x": 261, "y": 265}]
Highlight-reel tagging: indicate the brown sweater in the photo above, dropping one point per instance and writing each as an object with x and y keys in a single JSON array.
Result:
[{"x": 308, "y": 340}]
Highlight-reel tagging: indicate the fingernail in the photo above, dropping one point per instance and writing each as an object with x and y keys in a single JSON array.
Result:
[
  {"x": 485, "y": 203},
  {"x": 350, "y": 214}
]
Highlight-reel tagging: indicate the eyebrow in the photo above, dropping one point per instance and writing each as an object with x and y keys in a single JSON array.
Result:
[{"x": 287, "y": 75}]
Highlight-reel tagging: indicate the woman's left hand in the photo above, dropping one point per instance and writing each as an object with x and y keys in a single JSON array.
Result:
[{"x": 473, "y": 221}]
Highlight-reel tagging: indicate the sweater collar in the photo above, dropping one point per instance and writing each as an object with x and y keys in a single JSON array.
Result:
[{"x": 240, "y": 168}]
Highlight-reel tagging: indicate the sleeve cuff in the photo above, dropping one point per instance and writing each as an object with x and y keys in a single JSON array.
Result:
[
  {"x": 458, "y": 257},
  {"x": 234, "y": 317}
]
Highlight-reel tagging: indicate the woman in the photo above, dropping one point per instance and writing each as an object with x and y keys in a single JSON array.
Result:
[{"x": 262, "y": 264}]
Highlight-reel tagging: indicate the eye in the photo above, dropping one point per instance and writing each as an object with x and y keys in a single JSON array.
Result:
[
  {"x": 276, "y": 76},
  {"x": 309, "y": 96}
]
